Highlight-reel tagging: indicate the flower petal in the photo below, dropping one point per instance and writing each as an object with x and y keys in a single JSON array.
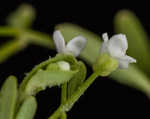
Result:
[
  {"x": 104, "y": 45},
  {"x": 103, "y": 48},
  {"x": 117, "y": 45},
  {"x": 105, "y": 37},
  {"x": 59, "y": 41},
  {"x": 125, "y": 60},
  {"x": 76, "y": 45}
]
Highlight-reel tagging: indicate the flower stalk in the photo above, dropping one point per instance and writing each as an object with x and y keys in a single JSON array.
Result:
[{"x": 70, "y": 102}]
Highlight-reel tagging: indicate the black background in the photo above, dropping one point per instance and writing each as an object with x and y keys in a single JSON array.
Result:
[{"x": 105, "y": 98}]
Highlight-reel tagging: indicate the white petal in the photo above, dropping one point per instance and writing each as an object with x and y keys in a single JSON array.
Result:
[
  {"x": 76, "y": 45},
  {"x": 103, "y": 48},
  {"x": 125, "y": 60},
  {"x": 117, "y": 45},
  {"x": 105, "y": 37},
  {"x": 59, "y": 41},
  {"x": 104, "y": 45},
  {"x": 123, "y": 64}
]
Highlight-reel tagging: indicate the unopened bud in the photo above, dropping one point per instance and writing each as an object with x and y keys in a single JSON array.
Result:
[{"x": 105, "y": 64}]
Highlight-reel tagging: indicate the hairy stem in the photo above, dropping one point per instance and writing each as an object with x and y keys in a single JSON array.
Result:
[
  {"x": 64, "y": 98},
  {"x": 70, "y": 102}
]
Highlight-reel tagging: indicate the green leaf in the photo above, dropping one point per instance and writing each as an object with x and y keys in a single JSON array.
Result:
[
  {"x": 139, "y": 46},
  {"x": 77, "y": 80},
  {"x": 8, "y": 98},
  {"x": 133, "y": 77},
  {"x": 42, "y": 79},
  {"x": 22, "y": 17},
  {"x": 11, "y": 48},
  {"x": 27, "y": 109},
  {"x": 69, "y": 31},
  {"x": 46, "y": 75}
]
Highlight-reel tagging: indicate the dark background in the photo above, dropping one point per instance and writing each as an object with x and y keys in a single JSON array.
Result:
[{"x": 105, "y": 98}]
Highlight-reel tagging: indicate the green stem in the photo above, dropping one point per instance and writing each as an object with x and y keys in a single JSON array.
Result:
[
  {"x": 9, "y": 31},
  {"x": 39, "y": 38},
  {"x": 64, "y": 93},
  {"x": 64, "y": 98},
  {"x": 34, "y": 37},
  {"x": 70, "y": 102},
  {"x": 12, "y": 47}
]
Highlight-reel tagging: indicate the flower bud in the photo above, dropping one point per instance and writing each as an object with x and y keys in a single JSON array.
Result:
[
  {"x": 105, "y": 64},
  {"x": 63, "y": 65},
  {"x": 60, "y": 65}
]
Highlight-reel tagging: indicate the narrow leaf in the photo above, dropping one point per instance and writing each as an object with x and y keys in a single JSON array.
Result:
[
  {"x": 22, "y": 17},
  {"x": 10, "y": 48},
  {"x": 8, "y": 98},
  {"x": 27, "y": 109},
  {"x": 139, "y": 46},
  {"x": 133, "y": 77}
]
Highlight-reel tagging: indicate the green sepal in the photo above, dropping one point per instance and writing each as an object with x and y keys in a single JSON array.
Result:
[
  {"x": 105, "y": 65},
  {"x": 27, "y": 109},
  {"x": 8, "y": 98},
  {"x": 77, "y": 80},
  {"x": 43, "y": 76}
]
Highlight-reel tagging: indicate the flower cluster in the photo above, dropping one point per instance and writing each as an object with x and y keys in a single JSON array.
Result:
[{"x": 115, "y": 47}]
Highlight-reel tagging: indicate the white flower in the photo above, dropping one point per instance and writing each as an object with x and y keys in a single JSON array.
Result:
[
  {"x": 116, "y": 47},
  {"x": 74, "y": 46}
]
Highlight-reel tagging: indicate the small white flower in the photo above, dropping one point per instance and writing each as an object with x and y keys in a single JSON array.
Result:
[
  {"x": 116, "y": 47},
  {"x": 74, "y": 46}
]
